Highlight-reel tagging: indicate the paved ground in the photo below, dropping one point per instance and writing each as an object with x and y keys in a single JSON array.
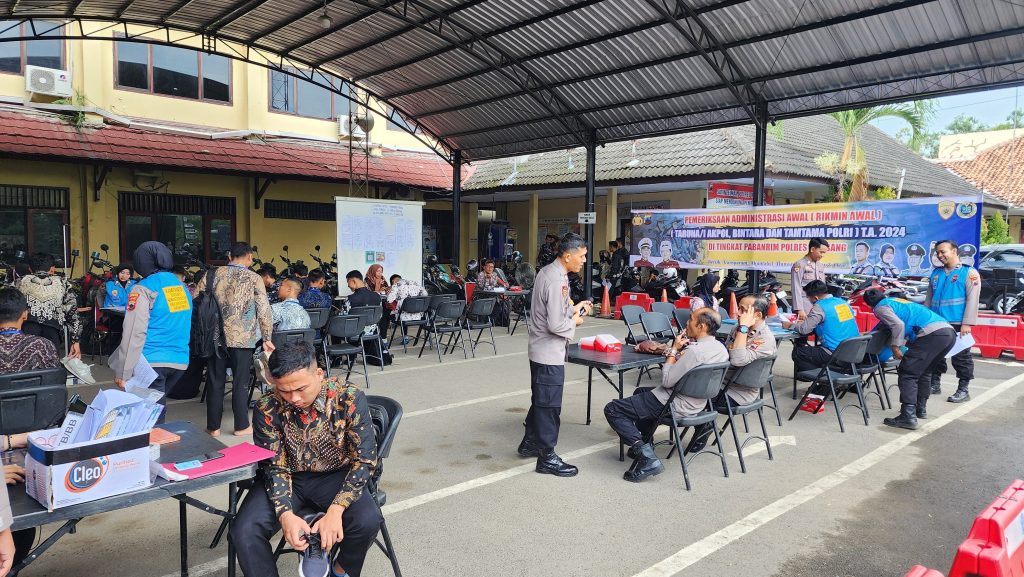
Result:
[{"x": 870, "y": 502}]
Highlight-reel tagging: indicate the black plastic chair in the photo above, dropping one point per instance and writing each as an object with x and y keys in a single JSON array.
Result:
[
  {"x": 411, "y": 305},
  {"x": 663, "y": 308},
  {"x": 657, "y": 326},
  {"x": 631, "y": 316},
  {"x": 702, "y": 382},
  {"x": 435, "y": 301},
  {"x": 478, "y": 318},
  {"x": 317, "y": 321},
  {"x": 371, "y": 316},
  {"x": 342, "y": 330},
  {"x": 874, "y": 369},
  {"x": 757, "y": 374},
  {"x": 840, "y": 371},
  {"x": 447, "y": 320},
  {"x": 681, "y": 316},
  {"x": 520, "y": 306},
  {"x": 279, "y": 338},
  {"x": 32, "y": 400}
]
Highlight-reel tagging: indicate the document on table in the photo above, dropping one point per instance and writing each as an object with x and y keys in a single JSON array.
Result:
[{"x": 962, "y": 343}]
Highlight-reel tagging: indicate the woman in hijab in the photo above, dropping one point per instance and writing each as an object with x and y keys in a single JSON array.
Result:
[
  {"x": 374, "y": 280},
  {"x": 117, "y": 288},
  {"x": 704, "y": 293}
]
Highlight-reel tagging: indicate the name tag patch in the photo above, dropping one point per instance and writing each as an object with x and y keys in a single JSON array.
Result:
[
  {"x": 844, "y": 312},
  {"x": 177, "y": 301}
]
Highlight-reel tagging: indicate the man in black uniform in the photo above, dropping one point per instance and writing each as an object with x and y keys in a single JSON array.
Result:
[{"x": 548, "y": 251}]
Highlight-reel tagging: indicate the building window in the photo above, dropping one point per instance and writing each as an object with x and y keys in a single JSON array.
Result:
[
  {"x": 14, "y": 56},
  {"x": 32, "y": 220},
  {"x": 195, "y": 228},
  {"x": 399, "y": 123},
  {"x": 173, "y": 71},
  {"x": 291, "y": 95},
  {"x": 296, "y": 210}
]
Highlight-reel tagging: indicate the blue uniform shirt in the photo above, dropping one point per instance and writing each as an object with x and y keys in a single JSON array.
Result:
[
  {"x": 839, "y": 324},
  {"x": 116, "y": 296}
]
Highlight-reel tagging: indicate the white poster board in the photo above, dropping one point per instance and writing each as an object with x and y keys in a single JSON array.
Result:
[{"x": 384, "y": 232}]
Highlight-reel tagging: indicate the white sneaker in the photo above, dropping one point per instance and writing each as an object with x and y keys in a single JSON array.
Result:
[{"x": 79, "y": 369}]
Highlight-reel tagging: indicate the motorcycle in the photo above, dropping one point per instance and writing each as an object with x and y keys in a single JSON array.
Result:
[
  {"x": 769, "y": 285},
  {"x": 330, "y": 270},
  {"x": 436, "y": 280},
  {"x": 668, "y": 280}
]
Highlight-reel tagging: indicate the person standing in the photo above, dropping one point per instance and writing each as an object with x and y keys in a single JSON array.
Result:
[
  {"x": 927, "y": 336},
  {"x": 552, "y": 323},
  {"x": 157, "y": 322},
  {"x": 805, "y": 270},
  {"x": 954, "y": 292},
  {"x": 245, "y": 311},
  {"x": 52, "y": 306}
]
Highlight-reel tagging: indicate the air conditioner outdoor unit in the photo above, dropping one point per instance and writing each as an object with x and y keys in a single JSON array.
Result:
[
  {"x": 347, "y": 126},
  {"x": 49, "y": 81}
]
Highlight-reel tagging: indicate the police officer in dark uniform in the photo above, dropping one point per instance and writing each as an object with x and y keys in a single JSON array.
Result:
[
  {"x": 553, "y": 321},
  {"x": 548, "y": 251}
]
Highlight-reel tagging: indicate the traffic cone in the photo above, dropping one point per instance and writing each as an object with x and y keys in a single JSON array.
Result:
[
  {"x": 734, "y": 310},
  {"x": 773, "y": 308},
  {"x": 606, "y": 304},
  {"x": 664, "y": 295}
]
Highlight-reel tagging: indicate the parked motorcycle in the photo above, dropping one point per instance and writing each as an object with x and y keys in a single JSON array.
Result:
[
  {"x": 438, "y": 281},
  {"x": 668, "y": 280},
  {"x": 330, "y": 270}
]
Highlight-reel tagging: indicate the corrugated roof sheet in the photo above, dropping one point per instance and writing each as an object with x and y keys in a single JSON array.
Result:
[
  {"x": 496, "y": 78},
  {"x": 722, "y": 153}
]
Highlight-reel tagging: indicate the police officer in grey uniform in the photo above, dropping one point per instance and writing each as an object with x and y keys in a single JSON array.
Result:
[
  {"x": 553, "y": 321},
  {"x": 806, "y": 270}
]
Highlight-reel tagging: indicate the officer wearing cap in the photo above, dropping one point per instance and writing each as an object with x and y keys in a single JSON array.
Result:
[
  {"x": 805, "y": 270},
  {"x": 645, "y": 245},
  {"x": 552, "y": 322},
  {"x": 927, "y": 336},
  {"x": 915, "y": 260},
  {"x": 665, "y": 248},
  {"x": 954, "y": 292},
  {"x": 967, "y": 252}
]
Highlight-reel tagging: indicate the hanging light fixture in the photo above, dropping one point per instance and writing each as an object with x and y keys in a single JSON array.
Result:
[{"x": 325, "y": 19}]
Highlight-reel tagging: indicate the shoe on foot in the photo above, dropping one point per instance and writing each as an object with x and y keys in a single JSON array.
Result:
[
  {"x": 907, "y": 419},
  {"x": 528, "y": 447},
  {"x": 550, "y": 463},
  {"x": 936, "y": 389},
  {"x": 699, "y": 440},
  {"x": 315, "y": 562},
  {"x": 647, "y": 464},
  {"x": 960, "y": 396}
]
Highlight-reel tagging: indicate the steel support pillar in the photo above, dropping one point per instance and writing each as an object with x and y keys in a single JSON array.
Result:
[
  {"x": 760, "y": 143},
  {"x": 588, "y": 230},
  {"x": 456, "y": 206}
]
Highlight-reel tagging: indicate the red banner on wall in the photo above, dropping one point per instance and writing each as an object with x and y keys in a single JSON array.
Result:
[{"x": 725, "y": 195}]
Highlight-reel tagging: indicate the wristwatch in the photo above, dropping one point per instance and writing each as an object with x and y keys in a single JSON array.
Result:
[{"x": 744, "y": 329}]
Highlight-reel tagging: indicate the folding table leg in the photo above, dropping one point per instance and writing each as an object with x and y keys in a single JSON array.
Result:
[
  {"x": 183, "y": 536},
  {"x": 622, "y": 446},
  {"x": 232, "y": 510},
  {"x": 590, "y": 386}
]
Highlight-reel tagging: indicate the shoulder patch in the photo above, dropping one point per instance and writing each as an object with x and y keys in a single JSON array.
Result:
[
  {"x": 973, "y": 275},
  {"x": 132, "y": 299},
  {"x": 754, "y": 344}
]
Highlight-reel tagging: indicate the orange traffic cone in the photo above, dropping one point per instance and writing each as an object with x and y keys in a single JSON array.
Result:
[
  {"x": 773, "y": 308},
  {"x": 606, "y": 304},
  {"x": 734, "y": 310},
  {"x": 664, "y": 295}
]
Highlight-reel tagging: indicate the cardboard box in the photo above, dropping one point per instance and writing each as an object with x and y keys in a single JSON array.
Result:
[
  {"x": 587, "y": 343},
  {"x": 82, "y": 472},
  {"x": 607, "y": 344}
]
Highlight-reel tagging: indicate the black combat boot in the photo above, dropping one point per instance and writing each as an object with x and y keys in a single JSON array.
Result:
[
  {"x": 528, "y": 447},
  {"x": 936, "y": 384},
  {"x": 699, "y": 440},
  {"x": 549, "y": 463},
  {"x": 922, "y": 411},
  {"x": 646, "y": 464},
  {"x": 961, "y": 395},
  {"x": 907, "y": 418}
]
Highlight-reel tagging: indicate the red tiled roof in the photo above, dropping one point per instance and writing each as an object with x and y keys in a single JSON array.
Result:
[
  {"x": 47, "y": 137},
  {"x": 998, "y": 170}
]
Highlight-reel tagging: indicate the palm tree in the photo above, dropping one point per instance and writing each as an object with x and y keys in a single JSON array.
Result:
[{"x": 852, "y": 163}]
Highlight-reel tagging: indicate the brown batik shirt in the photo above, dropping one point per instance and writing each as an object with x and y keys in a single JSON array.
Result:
[{"x": 334, "y": 433}]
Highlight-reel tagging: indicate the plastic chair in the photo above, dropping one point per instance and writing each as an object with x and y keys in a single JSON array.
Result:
[
  {"x": 757, "y": 374},
  {"x": 447, "y": 320},
  {"x": 411, "y": 305},
  {"x": 631, "y": 316},
  {"x": 663, "y": 308},
  {"x": 874, "y": 369},
  {"x": 346, "y": 328},
  {"x": 317, "y": 321},
  {"x": 681, "y": 316},
  {"x": 702, "y": 382},
  {"x": 520, "y": 305},
  {"x": 478, "y": 317},
  {"x": 371, "y": 316},
  {"x": 32, "y": 400},
  {"x": 845, "y": 358},
  {"x": 657, "y": 326}
]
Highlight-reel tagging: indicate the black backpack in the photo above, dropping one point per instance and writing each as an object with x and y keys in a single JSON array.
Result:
[{"x": 206, "y": 322}]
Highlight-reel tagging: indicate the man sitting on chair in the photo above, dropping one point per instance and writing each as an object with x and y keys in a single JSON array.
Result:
[
  {"x": 751, "y": 340},
  {"x": 321, "y": 432},
  {"x": 635, "y": 417},
  {"x": 287, "y": 312},
  {"x": 831, "y": 320}
]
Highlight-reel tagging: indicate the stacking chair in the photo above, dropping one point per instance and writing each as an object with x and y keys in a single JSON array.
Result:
[
  {"x": 663, "y": 308},
  {"x": 411, "y": 305},
  {"x": 446, "y": 320},
  {"x": 657, "y": 326},
  {"x": 371, "y": 315},
  {"x": 681, "y": 316},
  {"x": 386, "y": 414},
  {"x": 435, "y": 301},
  {"x": 702, "y": 382},
  {"x": 478, "y": 318},
  {"x": 757, "y": 374},
  {"x": 874, "y": 369},
  {"x": 317, "y": 322},
  {"x": 32, "y": 400},
  {"x": 631, "y": 316},
  {"x": 840, "y": 371},
  {"x": 521, "y": 308},
  {"x": 343, "y": 330}
]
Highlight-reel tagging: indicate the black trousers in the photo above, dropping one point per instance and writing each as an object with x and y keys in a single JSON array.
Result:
[
  {"x": 165, "y": 380},
  {"x": 634, "y": 418},
  {"x": 240, "y": 361},
  {"x": 920, "y": 362},
  {"x": 49, "y": 332},
  {"x": 963, "y": 364},
  {"x": 23, "y": 541},
  {"x": 256, "y": 523},
  {"x": 810, "y": 358},
  {"x": 544, "y": 418}
]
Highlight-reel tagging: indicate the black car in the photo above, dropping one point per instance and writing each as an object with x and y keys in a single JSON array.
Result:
[{"x": 1001, "y": 266}]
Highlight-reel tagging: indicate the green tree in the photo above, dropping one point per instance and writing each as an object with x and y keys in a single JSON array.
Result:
[
  {"x": 994, "y": 230},
  {"x": 963, "y": 124},
  {"x": 1013, "y": 120},
  {"x": 852, "y": 163}
]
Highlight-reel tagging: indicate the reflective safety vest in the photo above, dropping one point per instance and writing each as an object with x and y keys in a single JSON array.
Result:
[
  {"x": 914, "y": 316},
  {"x": 170, "y": 320},
  {"x": 949, "y": 292},
  {"x": 839, "y": 323}
]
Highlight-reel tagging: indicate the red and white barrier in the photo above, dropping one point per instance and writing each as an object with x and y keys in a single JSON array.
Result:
[
  {"x": 994, "y": 546},
  {"x": 638, "y": 299}
]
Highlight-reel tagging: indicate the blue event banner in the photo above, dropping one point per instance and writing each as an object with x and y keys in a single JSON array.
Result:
[{"x": 882, "y": 237}]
